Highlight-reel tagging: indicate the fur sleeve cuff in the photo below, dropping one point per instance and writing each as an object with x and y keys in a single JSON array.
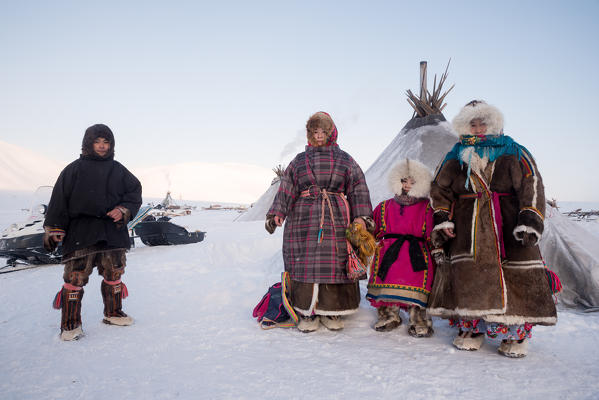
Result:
[
  {"x": 444, "y": 225},
  {"x": 532, "y": 219},
  {"x": 526, "y": 229},
  {"x": 275, "y": 213},
  {"x": 125, "y": 212},
  {"x": 52, "y": 231},
  {"x": 440, "y": 216}
]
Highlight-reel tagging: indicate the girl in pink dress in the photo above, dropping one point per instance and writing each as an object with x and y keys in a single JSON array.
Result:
[{"x": 401, "y": 274}]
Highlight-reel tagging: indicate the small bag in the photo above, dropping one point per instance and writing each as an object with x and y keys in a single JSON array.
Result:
[
  {"x": 360, "y": 247},
  {"x": 274, "y": 310},
  {"x": 356, "y": 269}
]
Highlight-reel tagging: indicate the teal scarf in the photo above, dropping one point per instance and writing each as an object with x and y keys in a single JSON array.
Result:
[{"x": 492, "y": 146}]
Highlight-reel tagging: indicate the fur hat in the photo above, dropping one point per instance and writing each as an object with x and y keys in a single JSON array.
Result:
[
  {"x": 478, "y": 109},
  {"x": 91, "y": 134},
  {"x": 321, "y": 120},
  {"x": 411, "y": 169}
]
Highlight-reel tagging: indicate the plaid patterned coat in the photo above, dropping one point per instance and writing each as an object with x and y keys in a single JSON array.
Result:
[{"x": 301, "y": 202}]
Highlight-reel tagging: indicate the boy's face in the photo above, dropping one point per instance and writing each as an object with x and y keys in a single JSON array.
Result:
[{"x": 101, "y": 146}]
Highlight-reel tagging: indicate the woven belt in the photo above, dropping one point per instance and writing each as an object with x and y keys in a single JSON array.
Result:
[{"x": 325, "y": 200}]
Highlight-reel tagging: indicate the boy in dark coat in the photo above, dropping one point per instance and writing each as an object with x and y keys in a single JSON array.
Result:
[{"x": 92, "y": 201}]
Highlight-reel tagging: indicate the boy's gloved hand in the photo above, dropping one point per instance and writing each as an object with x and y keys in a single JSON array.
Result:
[{"x": 52, "y": 236}]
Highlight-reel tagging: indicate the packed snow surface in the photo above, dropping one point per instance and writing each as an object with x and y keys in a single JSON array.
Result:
[{"x": 194, "y": 337}]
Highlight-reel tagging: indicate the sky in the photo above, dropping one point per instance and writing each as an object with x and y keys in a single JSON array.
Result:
[{"x": 229, "y": 81}]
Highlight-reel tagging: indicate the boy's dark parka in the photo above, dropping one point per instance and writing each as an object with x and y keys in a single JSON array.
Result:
[{"x": 86, "y": 190}]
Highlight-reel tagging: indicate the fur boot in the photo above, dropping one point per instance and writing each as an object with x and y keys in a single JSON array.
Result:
[
  {"x": 513, "y": 348},
  {"x": 466, "y": 340},
  {"x": 308, "y": 324},
  {"x": 69, "y": 300},
  {"x": 421, "y": 325},
  {"x": 112, "y": 294},
  {"x": 332, "y": 322},
  {"x": 389, "y": 318}
]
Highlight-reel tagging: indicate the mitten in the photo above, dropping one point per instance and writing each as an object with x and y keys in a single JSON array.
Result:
[
  {"x": 527, "y": 236},
  {"x": 439, "y": 238},
  {"x": 270, "y": 224},
  {"x": 52, "y": 236},
  {"x": 438, "y": 235}
]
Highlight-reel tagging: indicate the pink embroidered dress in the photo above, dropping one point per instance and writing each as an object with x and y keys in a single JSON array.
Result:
[{"x": 409, "y": 277}]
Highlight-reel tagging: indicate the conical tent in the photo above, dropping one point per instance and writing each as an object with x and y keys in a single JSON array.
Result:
[
  {"x": 427, "y": 137},
  {"x": 572, "y": 253},
  {"x": 258, "y": 210}
]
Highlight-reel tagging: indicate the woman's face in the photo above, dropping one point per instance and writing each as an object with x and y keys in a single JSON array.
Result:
[
  {"x": 319, "y": 137},
  {"x": 101, "y": 146},
  {"x": 407, "y": 183},
  {"x": 478, "y": 127}
]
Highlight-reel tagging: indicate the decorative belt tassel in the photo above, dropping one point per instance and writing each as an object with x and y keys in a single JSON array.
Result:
[{"x": 57, "y": 303}]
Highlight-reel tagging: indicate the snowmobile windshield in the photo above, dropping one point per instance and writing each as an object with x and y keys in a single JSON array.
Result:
[{"x": 39, "y": 203}]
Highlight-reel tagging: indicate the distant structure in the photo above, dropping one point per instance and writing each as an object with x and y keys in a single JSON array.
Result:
[{"x": 168, "y": 202}]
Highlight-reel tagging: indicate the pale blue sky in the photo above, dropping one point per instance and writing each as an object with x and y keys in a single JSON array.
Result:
[{"x": 235, "y": 81}]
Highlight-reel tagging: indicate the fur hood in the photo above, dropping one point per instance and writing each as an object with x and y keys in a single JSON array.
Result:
[
  {"x": 321, "y": 120},
  {"x": 479, "y": 109},
  {"x": 91, "y": 134},
  {"x": 417, "y": 171}
]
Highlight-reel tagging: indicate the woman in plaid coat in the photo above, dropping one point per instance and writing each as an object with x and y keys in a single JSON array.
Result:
[{"x": 322, "y": 190}]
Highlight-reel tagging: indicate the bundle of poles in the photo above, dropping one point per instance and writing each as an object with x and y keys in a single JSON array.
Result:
[{"x": 427, "y": 103}]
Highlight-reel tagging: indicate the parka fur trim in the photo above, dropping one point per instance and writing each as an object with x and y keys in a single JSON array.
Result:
[
  {"x": 444, "y": 225},
  {"x": 479, "y": 109},
  {"x": 322, "y": 120},
  {"x": 412, "y": 169},
  {"x": 527, "y": 229}
]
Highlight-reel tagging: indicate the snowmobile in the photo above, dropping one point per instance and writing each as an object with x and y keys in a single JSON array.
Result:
[
  {"x": 161, "y": 232},
  {"x": 22, "y": 242}
]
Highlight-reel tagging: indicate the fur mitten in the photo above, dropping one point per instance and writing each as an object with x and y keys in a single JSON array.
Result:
[
  {"x": 270, "y": 224},
  {"x": 439, "y": 238},
  {"x": 52, "y": 236},
  {"x": 526, "y": 235}
]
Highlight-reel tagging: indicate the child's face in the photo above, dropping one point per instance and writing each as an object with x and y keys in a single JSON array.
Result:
[
  {"x": 406, "y": 184},
  {"x": 320, "y": 137},
  {"x": 101, "y": 146},
  {"x": 478, "y": 127}
]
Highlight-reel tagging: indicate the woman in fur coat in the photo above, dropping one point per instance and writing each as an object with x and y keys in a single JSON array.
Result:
[
  {"x": 402, "y": 270},
  {"x": 322, "y": 189},
  {"x": 92, "y": 201},
  {"x": 489, "y": 204}
]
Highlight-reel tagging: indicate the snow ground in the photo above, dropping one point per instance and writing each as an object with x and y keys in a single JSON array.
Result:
[{"x": 194, "y": 337}]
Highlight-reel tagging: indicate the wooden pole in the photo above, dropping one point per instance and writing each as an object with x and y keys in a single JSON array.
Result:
[{"x": 423, "y": 80}]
